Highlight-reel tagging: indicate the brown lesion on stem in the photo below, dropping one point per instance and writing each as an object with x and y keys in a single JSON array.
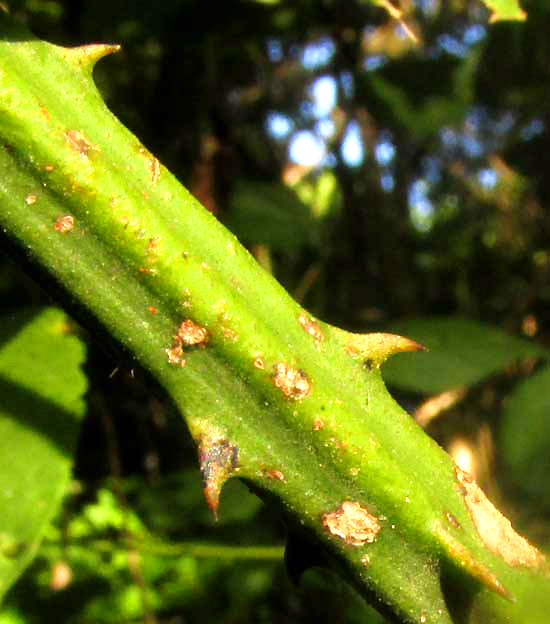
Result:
[
  {"x": 80, "y": 143},
  {"x": 452, "y": 520},
  {"x": 192, "y": 334},
  {"x": 275, "y": 475},
  {"x": 353, "y": 524},
  {"x": 293, "y": 383},
  {"x": 259, "y": 362},
  {"x": 64, "y": 224},
  {"x": 175, "y": 354},
  {"x": 151, "y": 163},
  {"x": 189, "y": 335},
  {"x": 153, "y": 248},
  {"x": 154, "y": 165},
  {"x": 311, "y": 327}
]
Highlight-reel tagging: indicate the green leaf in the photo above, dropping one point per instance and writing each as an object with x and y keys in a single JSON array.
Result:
[
  {"x": 502, "y": 10},
  {"x": 422, "y": 96},
  {"x": 41, "y": 388},
  {"x": 271, "y": 214},
  {"x": 461, "y": 352},
  {"x": 525, "y": 434}
]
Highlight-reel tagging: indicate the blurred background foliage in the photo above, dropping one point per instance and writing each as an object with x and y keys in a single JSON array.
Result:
[{"x": 392, "y": 174}]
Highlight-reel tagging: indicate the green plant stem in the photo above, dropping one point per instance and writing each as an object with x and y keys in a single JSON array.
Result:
[
  {"x": 158, "y": 548},
  {"x": 213, "y": 551},
  {"x": 296, "y": 408}
]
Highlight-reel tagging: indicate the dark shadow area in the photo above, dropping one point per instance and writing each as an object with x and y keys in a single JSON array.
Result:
[{"x": 41, "y": 415}]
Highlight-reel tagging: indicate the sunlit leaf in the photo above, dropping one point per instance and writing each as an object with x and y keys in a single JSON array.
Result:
[
  {"x": 41, "y": 387},
  {"x": 272, "y": 215},
  {"x": 505, "y": 10}
]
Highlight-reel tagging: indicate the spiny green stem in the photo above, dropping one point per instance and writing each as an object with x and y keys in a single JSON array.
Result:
[{"x": 296, "y": 408}]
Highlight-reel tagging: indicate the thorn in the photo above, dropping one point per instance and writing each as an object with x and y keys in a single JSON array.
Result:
[
  {"x": 88, "y": 55},
  {"x": 376, "y": 348},
  {"x": 463, "y": 558},
  {"x": 218, "y": 462}
]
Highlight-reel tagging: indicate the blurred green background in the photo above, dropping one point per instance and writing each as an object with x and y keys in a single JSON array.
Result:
[{"x": 391, "y": 174}]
